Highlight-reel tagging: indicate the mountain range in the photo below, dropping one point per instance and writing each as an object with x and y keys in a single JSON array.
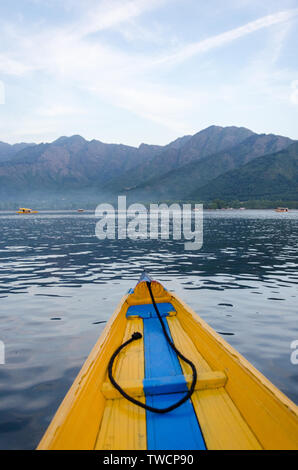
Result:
[
  {"x": 7, "y": 151},
  {"x": 230, "y": 163},
  {"x": 270, "y": 177}
]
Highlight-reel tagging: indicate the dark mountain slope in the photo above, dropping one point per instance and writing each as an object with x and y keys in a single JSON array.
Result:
[
  {"x": 272, "y": 177},
  {"x": 68, "y": 162},
  {"x": 7, "y": 151},
  {"x": 181, "y": 152},
  {"x": 191, "y": 167},
  {"x": 182, "y": 182}
]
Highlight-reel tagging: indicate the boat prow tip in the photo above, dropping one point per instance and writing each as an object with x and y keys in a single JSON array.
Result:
[{"x": 144, "y": 277}]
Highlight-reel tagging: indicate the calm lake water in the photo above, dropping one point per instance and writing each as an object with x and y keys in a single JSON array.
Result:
[{"x": 59, "y": 284}]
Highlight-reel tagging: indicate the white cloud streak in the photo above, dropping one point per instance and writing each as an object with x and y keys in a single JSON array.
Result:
[
  {"x": 229, "y": 36},
  {"x": 109, "y": 14},
  {"x": 10, "y": 66},
  {"x": 77, "y": 55}
]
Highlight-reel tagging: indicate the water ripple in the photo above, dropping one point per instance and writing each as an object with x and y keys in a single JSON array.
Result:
[{"x": 59, "y": 285}]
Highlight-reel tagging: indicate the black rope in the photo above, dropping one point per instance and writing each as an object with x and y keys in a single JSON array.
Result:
[{"x": 137, "y": 335}]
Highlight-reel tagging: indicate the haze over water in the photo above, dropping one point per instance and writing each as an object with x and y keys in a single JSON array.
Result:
[{"x": 59, "y": 284}]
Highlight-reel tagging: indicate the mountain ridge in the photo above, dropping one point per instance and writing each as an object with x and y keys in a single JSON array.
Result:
[
  {"x": 77, "y": 167},
  {"x": 272, "y": 177},
  {"x": 197, "y": 173},
  {"x": 201, "y": 144}
]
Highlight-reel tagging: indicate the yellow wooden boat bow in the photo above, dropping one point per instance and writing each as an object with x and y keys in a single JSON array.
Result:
[{"x": 232, "y": 405}]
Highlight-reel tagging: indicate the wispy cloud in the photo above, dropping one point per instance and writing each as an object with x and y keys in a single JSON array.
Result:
[
  {"x": 167, "y": 108},
  {"x": 110, "y": 13},
  {"x": 227, "y": 37},
  {"x": 57, "y": 110},
  {"x": 294, "y": 93},
  {"x": 10, "y": 66},
  {"x": 86, "y": 54}
]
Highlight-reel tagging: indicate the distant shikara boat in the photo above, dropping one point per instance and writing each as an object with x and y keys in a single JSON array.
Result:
[
  {"x": 24, "y": 210},
  {"x": 160, "y": 378},
  {"x": 281, "y": 209},
  {"x": 80, "y": 210}
]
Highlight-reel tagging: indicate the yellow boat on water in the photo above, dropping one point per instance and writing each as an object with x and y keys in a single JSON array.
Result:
[
  {"x": 160, "y": 378},
  {"x": 25, "y": 210}
]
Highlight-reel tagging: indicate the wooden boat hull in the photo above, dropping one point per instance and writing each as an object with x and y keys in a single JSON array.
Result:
[
  {"x": 27, "y": 213},
  {"x": 233, "y": 406}
]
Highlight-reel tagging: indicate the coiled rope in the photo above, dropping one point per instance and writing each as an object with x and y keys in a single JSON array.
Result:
[{"x": 137, "y": 335}]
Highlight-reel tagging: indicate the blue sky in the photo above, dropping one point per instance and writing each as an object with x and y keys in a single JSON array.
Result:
[{"x": 135, "y": 71}]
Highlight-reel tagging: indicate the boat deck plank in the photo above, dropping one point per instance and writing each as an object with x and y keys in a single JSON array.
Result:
[
  {"x": 184, "y": 343},
  {"x": 222, "y": 425},
  {"x": 124, "y": 424}
]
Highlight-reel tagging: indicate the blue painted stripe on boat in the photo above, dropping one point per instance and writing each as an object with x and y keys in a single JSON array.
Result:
[
  {"x": 178, "y": 429},
  {"x": 160, "y": 359},
  {"x": 148, "y": 311},
  {"x": 169, "y": 384}
]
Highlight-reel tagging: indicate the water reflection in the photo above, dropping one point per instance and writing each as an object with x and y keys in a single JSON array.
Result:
[{"x": 59, "y": 284}]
